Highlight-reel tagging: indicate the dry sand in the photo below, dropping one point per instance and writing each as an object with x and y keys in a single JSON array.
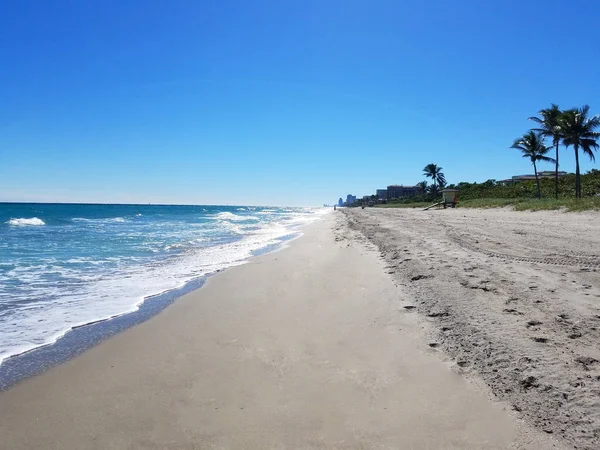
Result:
[
  {"x": 512, "y": 297},
  {"x": 306, "y": 348}
]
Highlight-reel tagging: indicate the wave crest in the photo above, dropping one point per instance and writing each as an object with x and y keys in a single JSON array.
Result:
[
  {"x": 226, "y": 215},
  {"x": 32, "y": 221},
  {"x": 103, "y": 220}
]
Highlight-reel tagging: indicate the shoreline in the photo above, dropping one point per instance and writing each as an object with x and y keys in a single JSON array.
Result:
[
  {"x": 76, "y": 340},
  {"x": 306, "y": 347}
]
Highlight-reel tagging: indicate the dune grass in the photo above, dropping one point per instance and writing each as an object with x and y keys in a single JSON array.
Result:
[
  {"x": 518, "y": 204},
  {"x": 544, "y": 204},
  {"x": 489, "y": 202}
]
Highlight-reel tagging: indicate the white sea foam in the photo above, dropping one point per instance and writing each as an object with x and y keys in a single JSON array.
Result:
[
  {"x": 234, "y": 227},
  {"x": 121, "y": 284},
  {"x": 226, "y": 215},
  {"x": 183, "y": 245},
  {"x": 100, "y": 221},
  {"x": 22, "y": 222}
]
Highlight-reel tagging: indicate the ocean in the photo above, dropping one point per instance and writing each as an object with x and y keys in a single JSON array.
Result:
[{"x": 66, "y": 265}]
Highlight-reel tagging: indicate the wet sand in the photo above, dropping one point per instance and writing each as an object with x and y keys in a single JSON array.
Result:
[{"x": 310, "y": 347}]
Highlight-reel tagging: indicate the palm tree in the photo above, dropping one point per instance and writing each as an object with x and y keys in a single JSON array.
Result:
[
  {"x": 423, "y": 186},
  {"x": 434, "y": 172},
  {"x": 549, "y": 122},
  {"x": 579, "y": 130},
  {"x": 532, "y": 146}
]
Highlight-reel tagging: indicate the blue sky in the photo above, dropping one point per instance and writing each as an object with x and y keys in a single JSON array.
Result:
[{"x": 278, "y": 102}]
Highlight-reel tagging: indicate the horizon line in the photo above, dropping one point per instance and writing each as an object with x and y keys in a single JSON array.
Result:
[{"x": 4, "y": 202}]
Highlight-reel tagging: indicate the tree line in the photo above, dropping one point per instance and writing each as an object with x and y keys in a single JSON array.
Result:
[{"x": 570, "y": 128}]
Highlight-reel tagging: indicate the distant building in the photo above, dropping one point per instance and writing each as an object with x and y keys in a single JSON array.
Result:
[
  {"x": 400, "y": 191},
  {"x": 340, "y": 202},
  {"x": 550, "y": 173},
  {"x": 519, "y": 178},
  {"x": 381, "y": 194},
  {"x": 350, "y": 199}
]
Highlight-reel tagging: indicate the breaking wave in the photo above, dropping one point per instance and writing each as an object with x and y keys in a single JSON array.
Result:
[{"x": 33, "y": 221}]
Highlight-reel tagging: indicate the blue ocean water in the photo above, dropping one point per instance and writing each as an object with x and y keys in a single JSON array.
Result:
[{"x": 65, "y": 265}]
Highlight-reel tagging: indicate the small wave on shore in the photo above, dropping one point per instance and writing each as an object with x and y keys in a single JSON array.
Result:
[{"x": 94, "y": 262}]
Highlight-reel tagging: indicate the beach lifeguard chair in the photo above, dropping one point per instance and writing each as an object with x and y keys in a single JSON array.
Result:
[{"x": 449, "y": 197}]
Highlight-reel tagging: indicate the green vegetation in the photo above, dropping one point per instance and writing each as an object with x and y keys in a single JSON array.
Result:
[
  {"x": 573, "y": 128},
  {"x": 485, "y": 203},
  {"x": 532, "y": 146},
  {"x": 522, "y": 196},
  {"x": 434, "y": 172},
  {"x": 579, "y": 131},
  {"x": 521, "y": 204},
  {"x": 590, "y": 187},
  {"x": 573, "y": 192},
  {"x": 549, "y": 123}
]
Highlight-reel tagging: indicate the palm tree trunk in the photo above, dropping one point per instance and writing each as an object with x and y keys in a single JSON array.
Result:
[
  {"x": 577, "y": 174},
  {"x": 556, "y": 141},
  {"x": 537, "y": 180}
]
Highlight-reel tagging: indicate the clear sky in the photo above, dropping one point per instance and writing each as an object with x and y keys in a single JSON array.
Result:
[{"x": 278, "y": 102}]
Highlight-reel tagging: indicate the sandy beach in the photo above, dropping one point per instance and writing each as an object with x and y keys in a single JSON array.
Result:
[
  {"x": 512, "y": 297},
  {"x": 328, "y": 345}
]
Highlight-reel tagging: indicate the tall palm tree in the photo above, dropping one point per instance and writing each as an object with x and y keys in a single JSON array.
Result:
[
  {"x": 549, "y": 126},
  {"x": 579, "y": 130},
  {"x": 532, "y": 146},
  {"x": 434, "y": 172}
]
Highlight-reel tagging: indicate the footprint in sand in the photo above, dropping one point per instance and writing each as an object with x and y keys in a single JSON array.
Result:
[
  {"x": 586, "y": 361},
  {"x": 420, "y": 277},
  {"x": 436, "y": 313}
]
